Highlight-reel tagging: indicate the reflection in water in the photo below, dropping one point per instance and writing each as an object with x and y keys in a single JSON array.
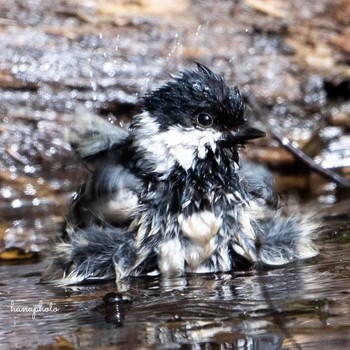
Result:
[{"x": 300, "y": 305}]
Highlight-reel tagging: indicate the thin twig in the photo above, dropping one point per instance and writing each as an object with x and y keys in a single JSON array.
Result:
[{"x": 298, "y": 153}]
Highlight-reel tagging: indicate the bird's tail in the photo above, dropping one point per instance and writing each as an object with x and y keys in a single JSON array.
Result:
[
  {"x": 92, "y": 254},
  {"x": 287, "y": 238}
]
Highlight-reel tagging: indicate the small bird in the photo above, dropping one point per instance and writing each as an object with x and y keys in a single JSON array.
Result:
[{"x": 170, "y": 194}]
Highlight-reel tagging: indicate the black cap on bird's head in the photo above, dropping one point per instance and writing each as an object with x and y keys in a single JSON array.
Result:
[
  {"x": 189, "y": 119},
  {"x": 203, "y": 100}
]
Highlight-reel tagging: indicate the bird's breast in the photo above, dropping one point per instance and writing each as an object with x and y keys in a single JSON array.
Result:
[
  {"x": 200, "y": 227},
  {"x": 200, "y": 230}
]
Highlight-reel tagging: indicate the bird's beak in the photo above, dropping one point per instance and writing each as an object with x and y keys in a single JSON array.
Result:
[
  {"x": 249, "y": 133},
  {"x": 242, "y": 135}
]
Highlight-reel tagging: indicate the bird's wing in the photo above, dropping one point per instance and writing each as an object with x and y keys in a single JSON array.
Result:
[
  {"x": 259, "y": 183},
  {"x": 91, "y": 134}
]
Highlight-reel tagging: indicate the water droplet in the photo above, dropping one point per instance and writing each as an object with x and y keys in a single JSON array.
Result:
[
  {"x": 197, "y": 32},
  {"x": 16, "y": 203},
  {"x": 93, "y": 85},
  {"x": 40, "y": 181},
  {"x": 6, "y": 192},
  {"x": 30, "y": 190},
  {"x": 112, "y": 119},
  {"x": 109, "y": 68},
  {"x": 36, "y": 202},
  {"x": 251, "y": 51},
  {"x": 29, "y": 169}
]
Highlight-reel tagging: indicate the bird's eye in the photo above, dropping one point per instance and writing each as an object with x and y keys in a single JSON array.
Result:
[{"x": 205, "y": 120}]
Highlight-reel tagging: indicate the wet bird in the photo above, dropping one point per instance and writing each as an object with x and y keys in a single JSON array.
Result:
[{"x": 170, "y": 194}]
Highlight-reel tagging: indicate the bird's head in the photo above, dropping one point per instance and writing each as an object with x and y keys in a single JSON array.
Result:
[{"x": 188, "y": 116}]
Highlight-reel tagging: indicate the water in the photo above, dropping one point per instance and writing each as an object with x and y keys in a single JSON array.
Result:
[{"x": 302, "y": 305}]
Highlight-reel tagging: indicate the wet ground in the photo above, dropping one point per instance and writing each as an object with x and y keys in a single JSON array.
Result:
[{"x": 292, "y": 56}]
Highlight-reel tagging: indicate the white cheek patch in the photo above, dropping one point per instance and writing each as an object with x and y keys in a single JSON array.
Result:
[
  {"x": 184, "y": 143},
  {"x": 147, "y": 140},
  {"x": 175, "y": 145}
]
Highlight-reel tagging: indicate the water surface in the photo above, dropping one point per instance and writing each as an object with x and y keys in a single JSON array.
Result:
[{"x": 303, "y": 305}]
